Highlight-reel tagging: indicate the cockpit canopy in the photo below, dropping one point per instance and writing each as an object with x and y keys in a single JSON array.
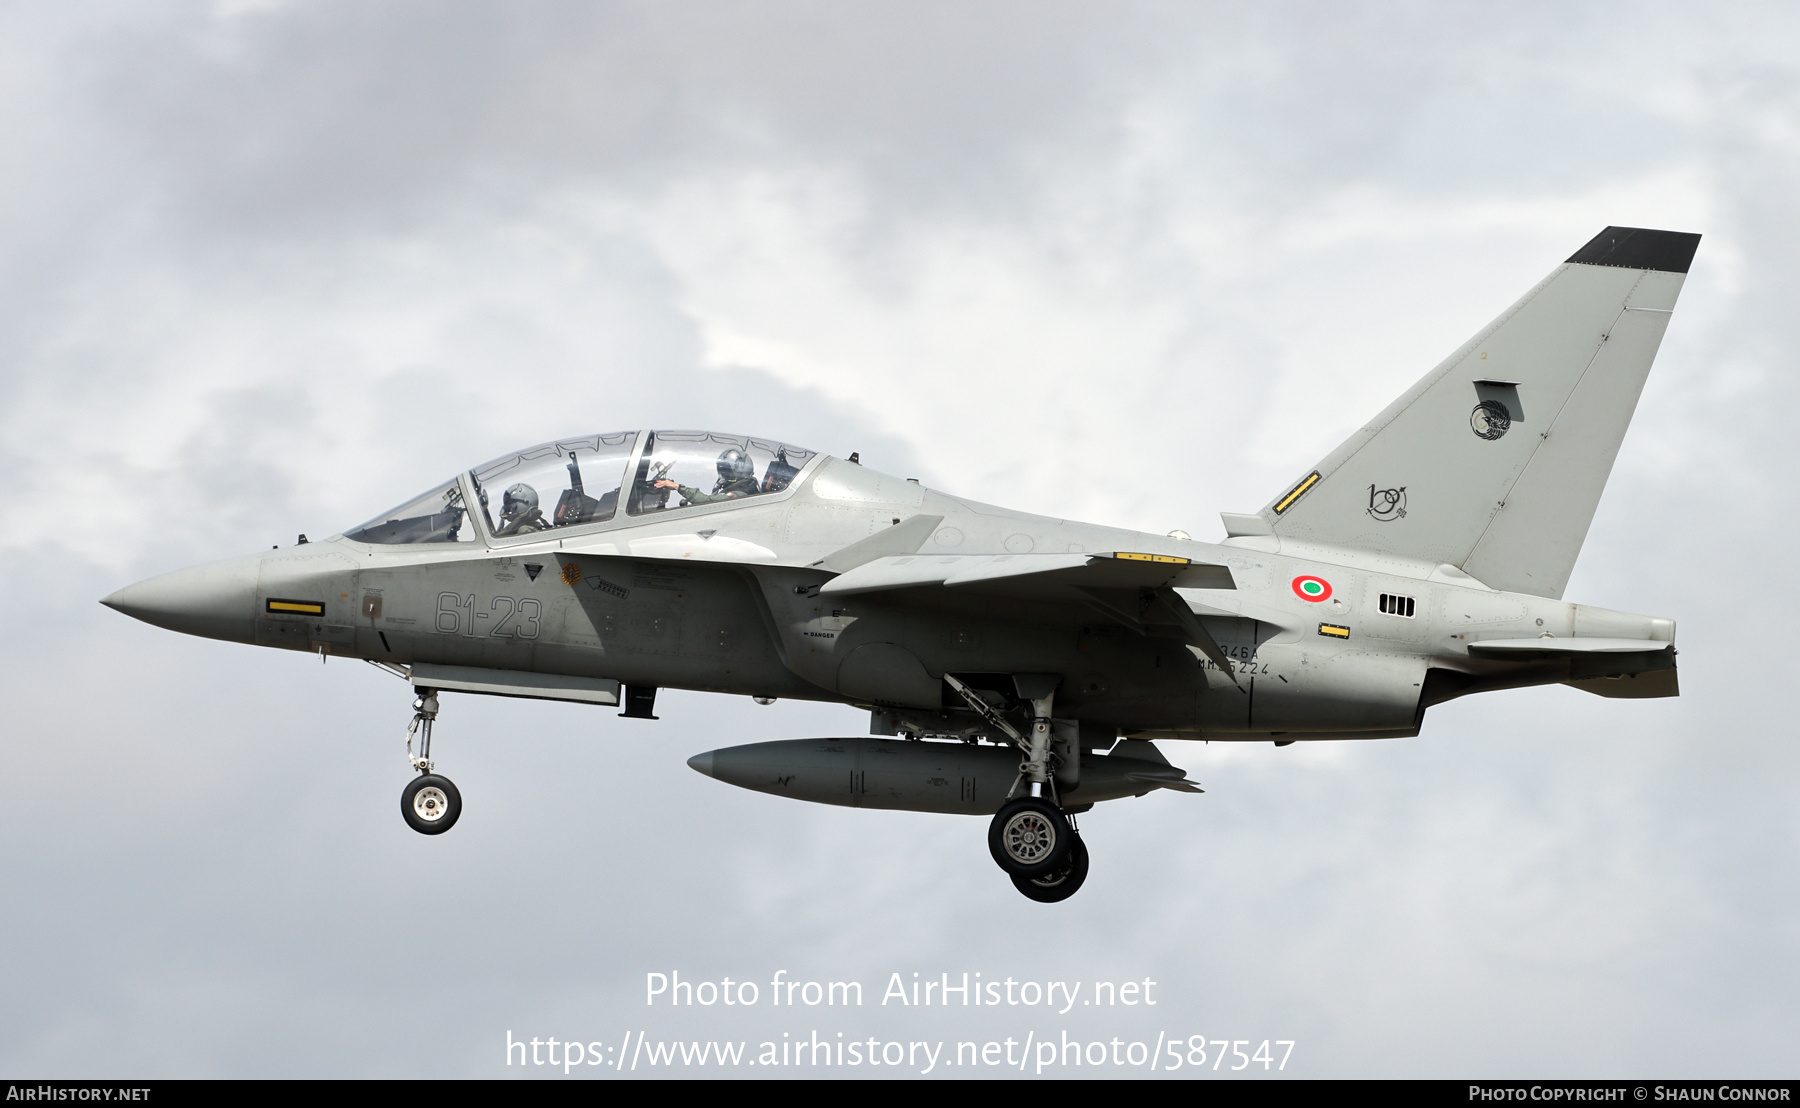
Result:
[
  {"x": 548, "y": 486},
  {"x": 578, "y": 482}
]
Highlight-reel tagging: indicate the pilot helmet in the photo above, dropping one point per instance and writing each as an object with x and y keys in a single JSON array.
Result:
[
  {"x": 517, "y": 501},
  {"x": 735, "y": 465}
]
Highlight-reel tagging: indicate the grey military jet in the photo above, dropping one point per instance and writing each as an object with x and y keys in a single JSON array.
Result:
[{"x": 1014, "y": 666}]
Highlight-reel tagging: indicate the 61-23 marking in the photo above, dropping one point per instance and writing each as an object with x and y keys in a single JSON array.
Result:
[{"x": 451, "y": 619}]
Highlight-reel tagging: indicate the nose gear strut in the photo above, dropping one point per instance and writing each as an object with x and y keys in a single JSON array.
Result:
[
  {"x": 430, "y": 804},
  {"x": 425, "y": 710}
]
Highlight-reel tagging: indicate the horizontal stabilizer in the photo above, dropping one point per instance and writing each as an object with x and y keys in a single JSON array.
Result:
[
  {"x": 1527, "y": 647},
  {"x": 1631, "y": 686},
  {"x": 1627, "y": 668}
]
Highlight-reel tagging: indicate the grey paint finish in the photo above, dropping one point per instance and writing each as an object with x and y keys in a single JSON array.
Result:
[
  {"x": 1346, "y": 614},
  {"x": 1506, "y": 499},
  {"x": 1532, "y": 541}
]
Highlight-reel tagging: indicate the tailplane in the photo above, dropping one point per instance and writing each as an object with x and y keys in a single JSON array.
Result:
[{"x": 1495, "y": 461}]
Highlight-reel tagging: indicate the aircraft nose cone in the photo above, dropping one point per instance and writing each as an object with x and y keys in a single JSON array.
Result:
[
  {"x": 702, "y": 763},
  {"x": 217, "y": 601}
]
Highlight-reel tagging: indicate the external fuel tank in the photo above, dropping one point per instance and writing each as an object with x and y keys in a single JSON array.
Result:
[{"x": 920, "y": 776}]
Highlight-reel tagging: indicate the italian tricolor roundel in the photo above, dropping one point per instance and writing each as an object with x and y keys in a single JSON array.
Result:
[{"x": 1313, "y": 589}]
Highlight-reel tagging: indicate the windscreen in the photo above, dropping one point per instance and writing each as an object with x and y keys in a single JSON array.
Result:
[{"x": 438, "y": 516}]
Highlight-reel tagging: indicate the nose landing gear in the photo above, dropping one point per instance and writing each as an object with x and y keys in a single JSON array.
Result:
[{"x": 430, "y": 804}]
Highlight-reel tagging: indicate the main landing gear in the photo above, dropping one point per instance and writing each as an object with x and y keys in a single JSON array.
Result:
[
  {"x": 1060, "y": 885},
  {"x": 1031, "y": 837},
  {"x": 430, "y": 804},
  {"x": 1036, "y": 843}
]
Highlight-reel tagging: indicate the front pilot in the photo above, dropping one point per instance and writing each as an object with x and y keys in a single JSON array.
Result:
[{"x": 519, "y": 512}]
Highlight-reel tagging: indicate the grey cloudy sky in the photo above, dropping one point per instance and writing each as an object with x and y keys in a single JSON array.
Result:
[{"x": 268, "y": 268}]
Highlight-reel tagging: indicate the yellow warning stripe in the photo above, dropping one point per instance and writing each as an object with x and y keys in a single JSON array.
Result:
[
  {"x": 1333, "y": 631},
  {"x": 1170, "y": 559},
  {"x": 1287, "y": 501},
  {"x": 300, "y": 607}
]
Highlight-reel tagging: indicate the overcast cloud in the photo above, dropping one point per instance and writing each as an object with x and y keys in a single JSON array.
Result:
[{"x": 267, "y": 268}]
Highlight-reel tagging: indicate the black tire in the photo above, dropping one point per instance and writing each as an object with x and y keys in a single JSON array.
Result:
[
  {"x": 425, "y": 795},
  {"x": 1030, "y": 837},
  {"x": 1062, "y": 884}
]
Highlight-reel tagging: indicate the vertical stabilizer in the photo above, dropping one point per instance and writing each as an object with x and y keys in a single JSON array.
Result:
[{"x": 1495, "y": 462}]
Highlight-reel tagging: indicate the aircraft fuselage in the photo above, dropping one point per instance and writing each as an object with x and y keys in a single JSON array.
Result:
[{"x": 695, "y": 604}]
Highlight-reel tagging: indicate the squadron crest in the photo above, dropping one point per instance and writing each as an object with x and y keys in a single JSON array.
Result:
[{"x": 1490, "y": 419}]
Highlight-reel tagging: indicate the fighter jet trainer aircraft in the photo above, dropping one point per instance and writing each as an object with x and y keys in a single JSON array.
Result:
[{"x": 1020, "y": 667}]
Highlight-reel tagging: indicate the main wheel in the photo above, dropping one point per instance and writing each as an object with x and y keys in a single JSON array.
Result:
[
  {"x": 1062, "y": 884},
  {"x": 1030, "y": 837},
  {"x": 430, "y": 804}
]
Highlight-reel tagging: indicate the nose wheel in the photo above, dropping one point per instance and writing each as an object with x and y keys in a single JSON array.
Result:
[{"x": 430, "y": 803}]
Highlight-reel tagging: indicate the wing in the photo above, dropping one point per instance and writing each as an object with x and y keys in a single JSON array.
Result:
[
  {"x": 1050, "y": 575},
  {"x": 1126, "y": 585}
]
